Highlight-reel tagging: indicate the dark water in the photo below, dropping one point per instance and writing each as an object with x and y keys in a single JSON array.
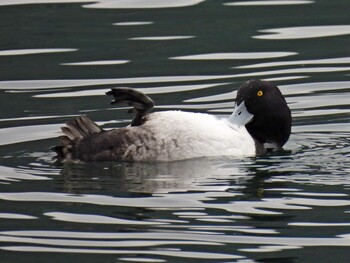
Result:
[{"x": 58, "y": 59}]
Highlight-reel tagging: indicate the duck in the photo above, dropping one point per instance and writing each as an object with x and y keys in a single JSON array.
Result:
[{"x": 260, "y": 124}]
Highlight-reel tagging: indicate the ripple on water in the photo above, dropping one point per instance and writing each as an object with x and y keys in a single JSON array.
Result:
[
  {"x": 136, "y": 4},
  {"x": 269, "y": 3},
  {"x": 8, "y": 174},
  {"x": 149, "y": 90},
  {"x": 344, "y": 60},
  {"x": 304, "y": 32},
  {"x": 71, "y": 83},
  {"x": 21, "y": 52},
  {"x": 26, "y": 2},
  {"x": 161, "y": 38},
  {"x": 229, "y": 56},
  {"x": 267, "y": 206},
  {"x": 90, "y": 243},
  {"x": 28, "y": 133},
  {"x": 121, "y": 4},
  {"x": 97, "y": 63},
  {"x": 205, "y": 210},
  {"x": 16, "y": 216},
  {"x": 134, "y": 23}
]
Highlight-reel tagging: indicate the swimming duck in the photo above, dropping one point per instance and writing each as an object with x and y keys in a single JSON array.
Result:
[{"x": 260, "y": 123}]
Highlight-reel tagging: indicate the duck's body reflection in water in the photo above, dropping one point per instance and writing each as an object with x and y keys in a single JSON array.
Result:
[{"x": 203, "y": 174}]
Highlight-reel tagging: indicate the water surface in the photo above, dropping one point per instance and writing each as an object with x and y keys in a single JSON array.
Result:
[{"x": 57, "y": 60}]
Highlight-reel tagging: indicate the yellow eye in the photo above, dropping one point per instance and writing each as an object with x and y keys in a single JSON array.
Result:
[{"x": 260, "y": 93}]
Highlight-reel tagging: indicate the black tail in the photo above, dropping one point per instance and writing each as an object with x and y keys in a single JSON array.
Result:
[
  {"x": 74, "y": 131},
  {"x": 140, "y": 102}
]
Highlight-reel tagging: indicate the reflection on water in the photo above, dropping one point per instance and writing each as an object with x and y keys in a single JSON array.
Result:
[
  {"x": 51, "y": 84},
  {"x": 197, "y": 202},
  {"x": 123, "y": 4},
  {"x": 11, "y": 174},
  {"x": 192, "y": 175},
  {"x": 133, "y": 23},
  {"x": 25, "y": 2},
  {"x": 300, "y": 62},
  {"x": 269, "y": 3},
  {"x": 28, "y": 133},
  {"x": 58, "y": 60},
  {"x": 161, "y": 38},
  {"x": 96, "y": 63},
  {"x": 149, "y": 90},
  {"x": 65, "y": 83},
  {"x": 304, "y": 32},
  {"x": 250, "y": 55},
  {"x": 129, "y": 4},
  {"x": 205, "y": 202},
  {"x": 21, "y": 52}
]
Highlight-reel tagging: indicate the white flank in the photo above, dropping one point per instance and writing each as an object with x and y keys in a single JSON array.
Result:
[{"x": 183, "y": 135}]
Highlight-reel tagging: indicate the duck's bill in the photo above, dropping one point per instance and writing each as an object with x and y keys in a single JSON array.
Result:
[{"x": 240, "y": 115}]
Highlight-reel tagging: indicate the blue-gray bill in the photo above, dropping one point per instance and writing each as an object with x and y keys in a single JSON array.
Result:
[{"x": 240, "y": 115}]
